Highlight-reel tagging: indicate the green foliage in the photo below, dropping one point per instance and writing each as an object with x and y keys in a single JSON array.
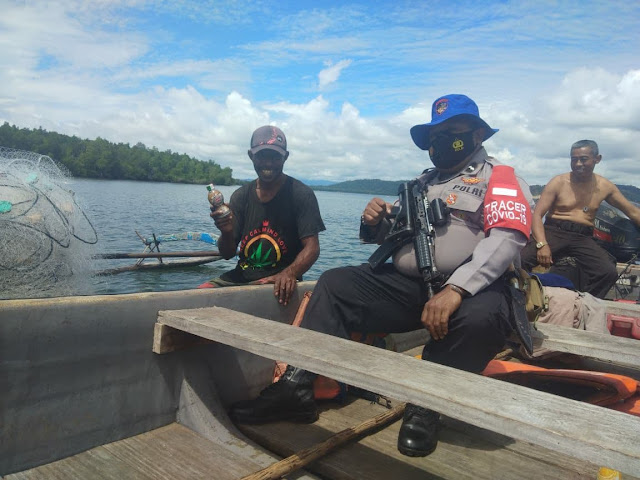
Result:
[
  {"x": 536, "y": 190},
  {"x": 100, "y": 158}
]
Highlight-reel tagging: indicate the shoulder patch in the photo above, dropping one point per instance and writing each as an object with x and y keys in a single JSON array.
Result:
[{"x": 505, "y": 205}]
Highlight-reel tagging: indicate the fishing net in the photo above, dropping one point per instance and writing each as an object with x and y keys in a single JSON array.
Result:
[{"x": 45, "y": 236}]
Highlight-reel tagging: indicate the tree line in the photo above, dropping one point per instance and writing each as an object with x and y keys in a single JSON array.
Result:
[
  {"x": 102, "y": 159},
  {"x": 386, "y": 187}
]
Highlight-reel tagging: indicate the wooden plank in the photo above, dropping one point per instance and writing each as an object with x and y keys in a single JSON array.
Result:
[
  {"x": 301, "y": 458},
  {"x": 205, "y": 253},
  {"x": 172, "y": 452},
  {"x": 167, "y": 339},
  {"x": 622, "y": 308},
  {"x": 584, "y": 431},
  {"x": 192, "y": 262},
  {"x": 606, "y": 349},
  {"x": 621, "y": 350},
  {"x": 464, "y": 452}
]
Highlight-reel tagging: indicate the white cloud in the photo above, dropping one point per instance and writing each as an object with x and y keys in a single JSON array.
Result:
[
  {"x": 588, "y": 104},
  {"x": 331, "y": 73},
  {"x": 596, "y": 95},
  {"x": 102, "y": 69}
]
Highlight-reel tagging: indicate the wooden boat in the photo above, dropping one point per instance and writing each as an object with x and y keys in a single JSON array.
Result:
[
  {"x": 152, "y": 258},
  {"x": 84, "y": 396}
]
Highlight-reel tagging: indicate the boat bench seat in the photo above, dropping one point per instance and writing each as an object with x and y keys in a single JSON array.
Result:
[
  {"x": 580, "y": 430},
  {"x": 619, "y": 350}
]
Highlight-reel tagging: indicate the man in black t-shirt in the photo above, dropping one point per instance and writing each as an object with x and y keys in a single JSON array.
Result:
[{"x": 273, "y": 225}]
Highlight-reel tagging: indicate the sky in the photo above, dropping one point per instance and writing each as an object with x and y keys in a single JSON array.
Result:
[{"x": 344, "y": 80}]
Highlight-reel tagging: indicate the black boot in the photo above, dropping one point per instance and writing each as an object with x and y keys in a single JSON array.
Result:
[
  {"x": 290, "y": 399},
  {"x": 418, "y": 435}
]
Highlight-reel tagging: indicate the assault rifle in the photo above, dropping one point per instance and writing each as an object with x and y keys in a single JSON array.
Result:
[{"x": 414, "y": 220}]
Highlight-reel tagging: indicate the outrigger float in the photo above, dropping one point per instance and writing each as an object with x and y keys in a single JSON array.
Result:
[
  {"x": 137, "y": 386},
  {"x": 152, "y": 258}
]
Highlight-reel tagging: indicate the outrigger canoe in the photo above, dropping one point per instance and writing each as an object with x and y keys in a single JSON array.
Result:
[
  {"x": 137, "y": 386},
  {"x": 152, "y": 258}
]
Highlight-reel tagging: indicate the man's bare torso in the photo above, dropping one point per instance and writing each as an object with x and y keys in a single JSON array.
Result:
[{"x": 578, "y": 201}]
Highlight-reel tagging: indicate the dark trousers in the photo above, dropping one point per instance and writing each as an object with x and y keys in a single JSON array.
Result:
[
  {"x": 597, "y": 268},
  {"x": 358, "y": 299}
]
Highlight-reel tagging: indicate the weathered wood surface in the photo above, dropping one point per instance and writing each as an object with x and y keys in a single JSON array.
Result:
[
  {"x": 621, "y": 350},
  {"x": 561, "y": 339},
  {"x": 167, "y": 339},
  {"x": 464, "y": 452},
  {"x": 559, "y": 424},
  {"x": 169, "y": 453},
  {"x": 209, "y": 253},
  {"x": 302, "y": 458},
  {"x": 622, "y": 308}
]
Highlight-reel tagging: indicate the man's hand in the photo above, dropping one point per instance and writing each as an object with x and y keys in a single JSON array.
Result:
[
  {"x": 224, "y": 224},
  {"x": 284, "y": 282},
  {"x": 375, "y": 211},
  {"x": 544, "y": 256},
  {"x": 436, "y": 312}
]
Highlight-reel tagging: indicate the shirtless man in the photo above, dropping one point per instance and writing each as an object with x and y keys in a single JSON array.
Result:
[{"x": 570, "y": 202}]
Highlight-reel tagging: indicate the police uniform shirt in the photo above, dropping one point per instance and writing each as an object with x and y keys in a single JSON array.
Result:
[{"x": 464, "y": 235}]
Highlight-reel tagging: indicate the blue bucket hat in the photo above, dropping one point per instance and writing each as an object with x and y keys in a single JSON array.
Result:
[{"x": 443, "y": 109}]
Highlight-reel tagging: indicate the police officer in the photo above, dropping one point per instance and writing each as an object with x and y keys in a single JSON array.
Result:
[{"x": 469, "y": 316}]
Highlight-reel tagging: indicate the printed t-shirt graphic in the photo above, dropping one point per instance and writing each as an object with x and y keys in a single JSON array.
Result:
[{"x": 262, "y": 247}]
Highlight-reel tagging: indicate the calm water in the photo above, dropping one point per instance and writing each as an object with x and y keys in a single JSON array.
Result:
[{"x": 118, "y": 208}]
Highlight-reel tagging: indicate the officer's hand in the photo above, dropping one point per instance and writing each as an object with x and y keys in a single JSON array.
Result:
[
  {"x": 436, "y": 312},
  {"x": 224, "y": 224},
  {"x": 284, "y": 284},
  {"x": 544, "y": 256},
  {"x": 375, "y": 211}
]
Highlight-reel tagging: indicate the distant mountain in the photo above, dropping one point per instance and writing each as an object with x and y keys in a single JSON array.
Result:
[
  {"x": 630, "y": 192},
  {"x": 370, "y": 186},
  {"x": 313, "y": 183},
  {"x": 390, "y": 187}
]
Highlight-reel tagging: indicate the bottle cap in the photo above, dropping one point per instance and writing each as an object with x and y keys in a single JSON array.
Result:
[{"x": 210, "y": 187}]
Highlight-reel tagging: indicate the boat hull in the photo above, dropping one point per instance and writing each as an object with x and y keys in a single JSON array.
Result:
[
  {"x": 81, "y": 374},
  {"x": 80, "y": 371}
]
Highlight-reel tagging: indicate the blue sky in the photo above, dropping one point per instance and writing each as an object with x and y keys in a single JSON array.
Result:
[{"x": 344, "y": 80}]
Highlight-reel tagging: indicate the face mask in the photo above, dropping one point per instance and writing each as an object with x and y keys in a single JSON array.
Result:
[{"x": 449, "y": 149}]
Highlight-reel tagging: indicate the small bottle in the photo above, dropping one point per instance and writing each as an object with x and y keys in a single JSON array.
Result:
[
  {"x": 214, "y": 196},
  {"x": 216, "y": 199}
]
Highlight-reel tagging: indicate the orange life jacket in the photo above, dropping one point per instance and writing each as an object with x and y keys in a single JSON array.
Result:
[{"x": 605, "y": 389}]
